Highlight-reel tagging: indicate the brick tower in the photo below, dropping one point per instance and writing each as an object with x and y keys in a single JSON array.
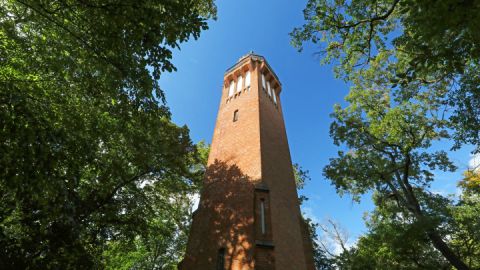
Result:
[{"x": 249, "y": 215}]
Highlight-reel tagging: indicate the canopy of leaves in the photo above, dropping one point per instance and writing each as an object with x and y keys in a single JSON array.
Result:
[
  {"x": 429, "y": 45},
  {"x": 321, "y": 261},
  {"x": 471, "y": 181},
  {"x": 413, "y": 67},
  {"x": 301, "y": 177},
  {"x": 88, "y": 151},
  {"x": 388, "y": 141},
  {"x": 395, "y": 240},
  {"x": 162, "y": 244}
]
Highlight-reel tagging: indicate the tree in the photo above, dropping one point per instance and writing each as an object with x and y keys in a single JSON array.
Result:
[
  {"x": 471, "y": 181},
  {"x": 321, "y": 261},
  {"x": 428, "y": 44},
  {"x": 465, "y": 227},
  {"x": 395, "y": 241},
  {"x": 321, "y": 257},
  {"x": 387, "y": 142},
  {"x": 86, "y": 138},
  {"x": 163, "y": 243},
  {"x": 412, "y": 66},
  {"x": 301, "y": 177},
  {"x": 334, "y": 239}
]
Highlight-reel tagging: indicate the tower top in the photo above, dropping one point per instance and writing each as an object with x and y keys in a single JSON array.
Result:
[
  {"x": 250, "y": 54},
  {"x": 254, "y": 57}
]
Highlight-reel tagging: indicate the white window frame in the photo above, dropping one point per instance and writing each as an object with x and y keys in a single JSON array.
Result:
[
  {"x": 231, "y": 88},
  {"x": 263, "y": 81},
  {"x": 247, "y": 79},
  {"x": 274, "y": 96},
  {"x": 269, "y": 89},
  {"x": 239, "y": 83}
]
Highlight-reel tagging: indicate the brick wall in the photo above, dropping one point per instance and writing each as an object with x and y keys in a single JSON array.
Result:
[{"x": 249, "y": 163}]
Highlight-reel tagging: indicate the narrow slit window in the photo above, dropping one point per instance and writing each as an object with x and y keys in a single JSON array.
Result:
[
  {"x": 221, "y": 259},
  {"x": 230, "y": 91},
  {"x": 239, "y": 83},
  {"x": 263, "y": 81},
  {"x": 247, "y": 79},
  {"x": 269, "y": 89},
  {"x": 262, "y": 215},
  {"x": 274, "y": 96},
  {"x": 235, "y": 116}
]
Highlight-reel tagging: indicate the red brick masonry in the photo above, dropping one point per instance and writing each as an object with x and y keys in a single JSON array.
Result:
[{"x": 249, "y": 173}]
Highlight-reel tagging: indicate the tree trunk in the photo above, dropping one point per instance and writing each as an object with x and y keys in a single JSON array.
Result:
[
  {"x": 441, "y": 246},
  {"x": 415, "y": 208}
]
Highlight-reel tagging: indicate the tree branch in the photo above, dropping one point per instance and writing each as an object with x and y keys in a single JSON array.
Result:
[
  {"x": 106, "y": 199},
  {"x": 371, "y": 20}
]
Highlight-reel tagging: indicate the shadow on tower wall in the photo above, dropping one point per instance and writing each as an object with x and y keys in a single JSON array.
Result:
[{"x": 222, "y": 230}]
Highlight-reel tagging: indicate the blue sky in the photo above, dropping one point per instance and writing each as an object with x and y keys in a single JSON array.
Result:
[{"x": 309, "y": 93}]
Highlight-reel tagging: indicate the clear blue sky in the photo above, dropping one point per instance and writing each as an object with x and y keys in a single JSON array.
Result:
[{"x": 309, "y": 93}]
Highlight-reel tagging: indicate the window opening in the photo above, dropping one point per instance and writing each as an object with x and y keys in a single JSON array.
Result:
[
  {"x": 263, "y": 81},
  {"x": 247, "y": 79},
  {"x": 230, "y": 92},
  {"x": 239, "y": 83},
  {"x": 235, "y": 116},
  {"x": 262, "y": 215}
]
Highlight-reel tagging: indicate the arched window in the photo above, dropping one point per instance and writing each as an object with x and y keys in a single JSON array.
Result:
[
  {"x": 274, "y": 96},
  {"x": 232, "y": 86},
  {"x": 269, "y": 89},
  {"x": 263, "y": 81},
  {"x": 239, "y": 83},
  {"x": 247, "y": 79}
]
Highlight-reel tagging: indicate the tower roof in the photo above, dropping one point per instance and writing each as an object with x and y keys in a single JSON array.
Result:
[{"x": 255, "y": 57}]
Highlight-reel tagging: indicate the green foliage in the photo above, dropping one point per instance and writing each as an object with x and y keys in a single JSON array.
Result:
[
  {"x": 385, "y": 139},
  {"x": 471, "y": 181},
  {"x": 396, "y": 240},
  {"x": 162, "y": 244},
  {"x": 393, "y": 246},
  {"x": 413, "y": 67},
  {"x": 203, "y": 150},
  {"x": 465, "y": 228},
  {"x": 89, "y": 153},
  {"x": 388, "y": 145},
  {"x": 430, "y": 44},
  {"x": 301, "y": 177},
  {"x": 321, "y": 260}
]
